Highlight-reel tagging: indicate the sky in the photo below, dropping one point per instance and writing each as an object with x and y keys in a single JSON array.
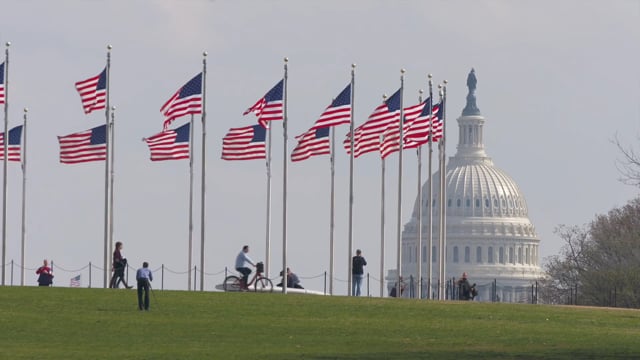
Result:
[{"x": 557, "y": 82}]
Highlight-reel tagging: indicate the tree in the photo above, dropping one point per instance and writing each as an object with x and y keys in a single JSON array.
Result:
[
  {"x": 629, "y": 166},
  {"x": 599, "y": 263}
]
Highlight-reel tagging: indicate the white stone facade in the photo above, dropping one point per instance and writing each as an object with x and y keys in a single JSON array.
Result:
[{"x": 488, "y": 233}]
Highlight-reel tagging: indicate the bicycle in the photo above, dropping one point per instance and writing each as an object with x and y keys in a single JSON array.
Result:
[{"x": 259, "y": 281}]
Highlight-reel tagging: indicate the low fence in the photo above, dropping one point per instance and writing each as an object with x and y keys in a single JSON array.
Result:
[{"x": 166, "y": 278}]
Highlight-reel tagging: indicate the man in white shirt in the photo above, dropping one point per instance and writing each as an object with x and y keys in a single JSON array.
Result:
[{"x": 242, "y": 260}]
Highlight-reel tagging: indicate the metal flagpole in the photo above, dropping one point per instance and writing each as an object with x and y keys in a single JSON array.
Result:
[
  {"x": 351, "y": 131},
  {"x": 112, "y": 173},
  {"x": 420, "y": 205},
  {"x": 267, "y": 260},
  {"x": 382, "y": 198},
  {"x": 24, "y": 195},
  {"x": 332, "y": 211},
  {"x": 430, "y": 196},
  {"x": 442, "y": 209},
  {"x": 399, "y": 223},
  {"x": 190, "y": 256},
  {"x": 204, "y": 168},
  {"x": 284, "y": 180},
  {"x": 106, "y": 173},
  {"x": 6, "y": 154}
]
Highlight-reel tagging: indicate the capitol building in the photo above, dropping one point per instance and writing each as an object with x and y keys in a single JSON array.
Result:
[{"x": 488, "y": 232}]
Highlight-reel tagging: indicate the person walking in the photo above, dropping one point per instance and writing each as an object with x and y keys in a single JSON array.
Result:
[
  {"x": 119, "y": 265},
  {"x": 357, "y": 272},
  {"x": 144, "y": 276},
  {"x": 242, "y": 260},
  {"x": 45, "y": 276}
]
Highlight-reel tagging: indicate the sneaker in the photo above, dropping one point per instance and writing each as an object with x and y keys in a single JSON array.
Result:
[{"x": 129, "y": 287}]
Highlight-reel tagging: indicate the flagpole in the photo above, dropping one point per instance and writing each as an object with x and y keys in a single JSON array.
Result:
[
  {"x": 284, "y": 181},
  {"x": 351, "y": 132},
  {"x": 106, "y": 172},
  {"x": 6, "y": 154},
  {"x": 24, "y": 195},
  {"x": 112, "y": 173},
  {"x": 420, "y": 205},
  {"x": 190, "y": 255},
  {"x": 332, "y": 211},
  {"x": 267, "y": 260},
  {"x": 204, "y": 167},
  {"x": 430, "y": 181},
  {"x": 442, "y": 232},
  {"x": 382, "y": 225},
  {"x": 399, "y": 223}
]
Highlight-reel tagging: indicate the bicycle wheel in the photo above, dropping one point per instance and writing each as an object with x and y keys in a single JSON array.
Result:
[
  {"x": 231, "y": 283},
  {"x": 264, "y": 284}
]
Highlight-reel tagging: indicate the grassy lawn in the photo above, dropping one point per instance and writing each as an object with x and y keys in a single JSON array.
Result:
[{"x": 67, "y": 323}]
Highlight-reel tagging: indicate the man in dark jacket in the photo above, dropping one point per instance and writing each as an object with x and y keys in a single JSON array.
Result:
[{"x": 357, "y": 272}]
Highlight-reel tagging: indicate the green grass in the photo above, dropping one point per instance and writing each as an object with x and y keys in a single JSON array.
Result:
[{"x": 67, "y": 323}]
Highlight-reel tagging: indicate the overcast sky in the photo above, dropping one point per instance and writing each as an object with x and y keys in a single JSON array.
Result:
[{"x": 557, "y": 80}]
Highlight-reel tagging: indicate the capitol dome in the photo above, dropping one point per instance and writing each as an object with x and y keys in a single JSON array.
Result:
[{"x": 488, "y": 232}]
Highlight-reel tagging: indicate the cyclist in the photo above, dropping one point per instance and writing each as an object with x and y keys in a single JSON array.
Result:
[{"x": 241, "y": 265}]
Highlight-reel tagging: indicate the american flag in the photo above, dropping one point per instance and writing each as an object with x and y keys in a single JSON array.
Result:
[
  {"x": 245, "y": 143},
  {"x": 269, "y": 107},
  {"x": 419, "y": 130},
  {"x": 367, "y": 135},
  {"x": 391, "y": 137},
  {"x": 85, "y": 146},
  {"x": 313, "y": 142},
  {"x": 13, "y": 147},
  {"x": 2, "y": 83},
  {"x": 338, "y": 112},
  {"x": 93, "y": 92},
  {"x": 75, "y": 281},
  {"x": 170, "y": 144},
  {"x": 187, "y": 100}
]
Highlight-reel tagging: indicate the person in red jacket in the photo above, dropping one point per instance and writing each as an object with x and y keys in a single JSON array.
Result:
[{"x": 45, "y": 277}]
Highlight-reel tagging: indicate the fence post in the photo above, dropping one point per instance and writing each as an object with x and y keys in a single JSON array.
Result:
[
  {"x": 195, "y": 276},
  {"x": 89, "y": 274},
  {"x": 368, "y": 284},
  {"x": 162, "y": 278},
  {"x": 325, "y": 282},
  {"x": 11, "y": 272}
]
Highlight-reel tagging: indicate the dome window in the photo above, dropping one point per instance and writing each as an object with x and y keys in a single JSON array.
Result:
[
  {"x": 449, "y": 203},
  {"x": 479, "y": 254},
  {"x": 477, "y": 203},
  {"x": 501, "y": 255},
  {"x": 511, "y": 259},
  {"x": 458, "y": 202},
  {"x": 468, "y": 202},
  {"x": 455, "y": 254},
  {"x": 495, "y": 202},
  {"x": 490, "y": 255},
  {"x": 467, "y": 254},
  {"x": 486, "y": 203},
  {"x": 434, "y": 257}
]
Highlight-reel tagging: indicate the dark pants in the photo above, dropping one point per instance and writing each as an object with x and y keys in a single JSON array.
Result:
[
  {"x": 245, "y": 274},
  {"x": 143, "y": 286},
  {"x": 118, "y": 277}
]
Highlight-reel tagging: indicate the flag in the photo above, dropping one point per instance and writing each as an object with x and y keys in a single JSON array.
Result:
[
  {"x": 75, "y": 281},
  {"x": 85, "y": 146},
  {"x": 313, "y": 142},
  {"x": 391, "y": 136},
  {"x": 338, "y": 112},
  {"x": 270, "y": 107},
  {"x": 187, "y": 100},
  {"x": 93, "y": 92},
  {"x": 2, "y": 83},
  {"x": 367, "y": 135},
  {"x": 245, "y": 143},
  {"x": 13, "y": 146},
  {"x": 170, "y": 144},
  {"x": 423, "y": 126}
]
